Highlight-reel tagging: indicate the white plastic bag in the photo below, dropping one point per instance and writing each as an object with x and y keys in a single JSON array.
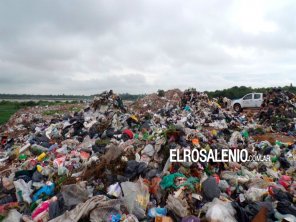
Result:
[
  {"x": 136, "y": 197},
  {"x": 23, "y": 190},
  {"x": 255, "y": 194},
  {"x": 220, "y": 211},
  {"x": 13, "y": 215}
]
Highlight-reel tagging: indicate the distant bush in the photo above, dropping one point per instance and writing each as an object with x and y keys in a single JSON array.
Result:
[
  {"x": 127, "y": 96},
  {"x": 161, "y": 93}
]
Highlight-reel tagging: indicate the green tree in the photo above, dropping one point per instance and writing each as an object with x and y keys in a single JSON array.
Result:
[{"x": 161, "y": 93}]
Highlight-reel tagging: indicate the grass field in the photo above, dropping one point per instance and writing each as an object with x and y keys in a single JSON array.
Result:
[{"x": 6, "y": 110}]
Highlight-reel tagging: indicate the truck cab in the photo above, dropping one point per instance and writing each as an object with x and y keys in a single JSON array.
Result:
[{"x": 251, "y": 100}]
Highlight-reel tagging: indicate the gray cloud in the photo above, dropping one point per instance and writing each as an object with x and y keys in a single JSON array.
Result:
[{"x": 84, "y": 47}]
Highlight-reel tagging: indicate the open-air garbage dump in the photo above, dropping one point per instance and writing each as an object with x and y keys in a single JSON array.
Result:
[{"x": 108, "y": 161}]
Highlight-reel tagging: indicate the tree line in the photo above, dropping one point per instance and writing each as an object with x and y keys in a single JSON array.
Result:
[
  {"x": 239, "y": 91},
  {"x": 231, "y": 93}
]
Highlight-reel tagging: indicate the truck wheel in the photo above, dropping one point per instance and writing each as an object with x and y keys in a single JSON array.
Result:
[{"x": 237, "y": 107}]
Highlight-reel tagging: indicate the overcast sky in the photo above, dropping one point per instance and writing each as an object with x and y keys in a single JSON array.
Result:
[{"x": 85, "y": 47}]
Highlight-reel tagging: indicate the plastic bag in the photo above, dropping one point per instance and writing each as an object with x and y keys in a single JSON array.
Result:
[
  {"x": 114, "y": 190},
  {"x": 169, "y": 180},
  {"x": 178, "y": 206},
  {"x": 148, "y": 150},
  {"x": 47, "y": 190},
  {"x": 223, "y": 185},
  {"x": 136, "y": 197},
  {"x": 157, "y": 211},
  {"x": 220, "y": 211},
  {"x": 255, "y": 194},
  {"x": 235, "y": 137},
  {"x": 228, "y": 175},
  {"x": 190, "y": 219},
  {"x": 23, "y": 190},
  {"x": 210, "y": 189},
  {"x": 13, "y": 216},
  {"x": 74, "y": 194},
  {"x": 42, "y": 209},
  {"x": 272, "y": 173}
]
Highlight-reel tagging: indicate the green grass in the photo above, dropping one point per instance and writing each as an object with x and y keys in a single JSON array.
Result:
[{"x": 6, "y": 110}]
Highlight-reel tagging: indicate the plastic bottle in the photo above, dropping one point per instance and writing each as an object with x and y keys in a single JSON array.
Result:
[
  {"x": 25, "y": 147},
  {"x": 41, "y": 156},
  {"x": 37, "y": 149}
]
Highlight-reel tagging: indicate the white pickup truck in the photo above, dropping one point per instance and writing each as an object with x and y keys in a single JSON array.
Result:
[{"x": 251, "y": 100}]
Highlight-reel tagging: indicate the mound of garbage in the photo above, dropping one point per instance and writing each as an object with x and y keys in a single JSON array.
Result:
[
  {"x": 278, "y": 111},
  {"x": 153, "y": 102},
  {"x": 111, "y": 162}
]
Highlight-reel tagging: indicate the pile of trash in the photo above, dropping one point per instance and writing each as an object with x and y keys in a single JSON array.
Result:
[
  {"x": 278, "y": 111},
  {"x": 23, "y": 120},
  {"x": 154, "y": 102},
  {"x": 110, "y": 162}
]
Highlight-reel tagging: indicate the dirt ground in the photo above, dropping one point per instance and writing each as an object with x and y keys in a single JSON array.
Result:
[{"x": 272, "y": 137}]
